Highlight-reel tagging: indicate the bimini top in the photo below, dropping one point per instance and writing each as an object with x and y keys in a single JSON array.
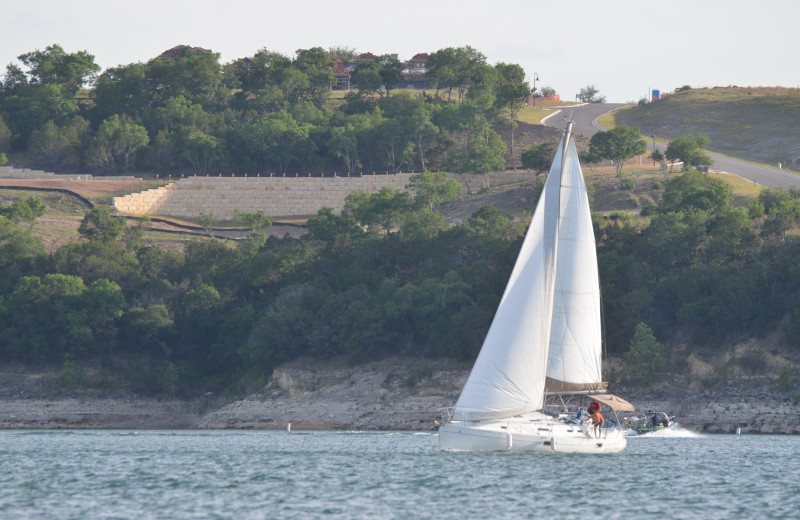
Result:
[{"x": 616, "y": 403}]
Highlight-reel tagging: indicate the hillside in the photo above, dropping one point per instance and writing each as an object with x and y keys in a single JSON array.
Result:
[{"x": 757, "y": 124}]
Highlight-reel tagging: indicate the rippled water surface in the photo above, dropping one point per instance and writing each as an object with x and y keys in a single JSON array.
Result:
[{"x": 244, "y": 475}]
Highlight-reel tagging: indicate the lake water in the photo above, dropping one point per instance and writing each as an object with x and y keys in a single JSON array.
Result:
[{"x": 275, "y": 474}]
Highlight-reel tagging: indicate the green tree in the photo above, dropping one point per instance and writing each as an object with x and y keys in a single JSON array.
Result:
[
  {"x": 116, "y": 143},
  {"x": 421, "y": 126},
  {"x": 316, "y": 66},
  {"x": 30, "y": 106},
  {"x": 548, "y": 92},
  {"x": 24, "y": 210},
  {"x": 434, "y": 189},
  {"x": 455, "y": 68},
  {"x": 512, "y": 93},
  {"x": 539, "y": 157},
  {"x": 202, "y": 151},
  {"x": 276, "y": 140},
  {"x": 390, "y": 71},
  {"x": 645, "y": 361},
  {"x": 378, "y": 212},
  {"x": 5, "y": 136},
  {"x": 98, "y": 224},
  {"x": 475, "y": 146},
  {"x": 193, "y": 74},
  {"x": 206, "y": 221},
  {"x": 141, "y": 327},
  {"x": 43, "y": 319},
  {"x": 589, "y": 94},
  {"x": 122, "y": 90},
  {"x": 366, "y": 77},
  {"x": 657, "y": 157},
  {"x": 687, "y": 149},
  {"x": 70, "y": 71},
  {"x": 342, "y": 52},
  {"x": 56, "y": 147},
  {"x": 19, "y": 250},
  {"x": 618, "y": 145}
]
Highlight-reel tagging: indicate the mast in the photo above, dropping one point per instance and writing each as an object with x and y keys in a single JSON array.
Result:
[{"x": 574, "y": 362}]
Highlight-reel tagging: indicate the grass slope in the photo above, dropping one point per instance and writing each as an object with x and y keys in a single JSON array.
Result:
[{"x": 757, "y": 124}]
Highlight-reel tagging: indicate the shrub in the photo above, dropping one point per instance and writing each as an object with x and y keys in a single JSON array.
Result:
[
  {"x": 645, "y": 360},
  {"x": 627, "y": 184},
  {"x": 785, "y": 381},
  {"x": 752, "y": 360}
]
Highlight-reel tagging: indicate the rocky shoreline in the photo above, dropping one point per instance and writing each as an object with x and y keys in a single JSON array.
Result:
[{"x": 374, "y": 397}]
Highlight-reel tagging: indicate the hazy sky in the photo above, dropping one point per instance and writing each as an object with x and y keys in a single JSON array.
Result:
[{"x": 622, "y": 47}]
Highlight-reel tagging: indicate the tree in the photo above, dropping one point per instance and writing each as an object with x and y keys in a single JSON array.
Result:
[
  {"x": 19, "y": 249},
  {"x": 195, "y": 75},
  {"x": 366, "y": 77},
  {"x": 618, "y": 145},
  {"x": 57, "y": 147},
  {"x": 421, "y": 126},
  {"x": 31, "y": 106},
  {"x": 588, "y": 94},
  {"x": 5, "y": 135},
  {"x": 512, "y": 93},
  {"x": 316, "y": 65},
  {"x": 27, "y": 210},
  {"x": 54, "y": 66},
  {"x": 476, "y": 148},
  {"x": 645, "y": 361},
  {"x": 343, "y": 143},
  {"x": 539, "y": 157},
  {"x": 657, "y": 156},
  {"x": 455, "y": 68},
  {"x": 206, "y": 221},
  {"x": 201, "y": 150},
  {"x": 342, "y": 52},
  {"x": 98, "y": 224},
  {"x": 687, "y": 149},
  {"x": 116, "y": 142},
  {"x": 378, "y": 212},
  {"x": 434, "y": 189},
  {"x": 255, "y": 221},
  {"x": 275, "y": 140},
  {"x": 122, "y": 90},
  {"x": 548, "y": 92}
]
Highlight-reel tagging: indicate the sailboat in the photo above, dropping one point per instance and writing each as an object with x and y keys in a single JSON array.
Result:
[{"x": 543, "y": 350}]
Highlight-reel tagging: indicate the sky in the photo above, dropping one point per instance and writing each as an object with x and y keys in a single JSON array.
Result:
[{"x": 624, "y": 48}]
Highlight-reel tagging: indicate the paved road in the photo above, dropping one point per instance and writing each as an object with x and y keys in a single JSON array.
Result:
[{"x": 584, "y": 119}]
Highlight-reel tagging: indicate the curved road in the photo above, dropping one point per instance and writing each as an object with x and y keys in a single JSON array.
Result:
[{"x": 584, "y": 119}]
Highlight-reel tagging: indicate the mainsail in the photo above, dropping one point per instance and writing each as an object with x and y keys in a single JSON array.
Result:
[
  {"x": 574, "y": 362},
  {"x": 547, "y": 326}
]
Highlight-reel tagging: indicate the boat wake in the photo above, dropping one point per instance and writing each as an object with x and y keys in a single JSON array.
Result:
[{"x": 669, "y": 433}]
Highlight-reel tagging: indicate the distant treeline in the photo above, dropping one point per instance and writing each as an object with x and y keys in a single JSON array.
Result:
[
  {"x": 189, "y": 114},
  {"x": 385, "y": 277}
]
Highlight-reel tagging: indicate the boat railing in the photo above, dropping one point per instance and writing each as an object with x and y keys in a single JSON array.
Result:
[{"x": 447, "y": 414}]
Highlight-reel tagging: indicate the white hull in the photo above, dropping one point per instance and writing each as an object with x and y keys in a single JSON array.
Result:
[{"x": 534, "y": 432}]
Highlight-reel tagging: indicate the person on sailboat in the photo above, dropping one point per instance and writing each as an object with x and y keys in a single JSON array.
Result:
[{"x": 595, "y": 415}]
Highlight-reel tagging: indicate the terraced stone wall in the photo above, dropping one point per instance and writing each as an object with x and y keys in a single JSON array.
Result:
[{"x": 275, "y": 196}]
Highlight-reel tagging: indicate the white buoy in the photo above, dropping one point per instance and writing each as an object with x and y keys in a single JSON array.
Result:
[{"x": 289, "y": 427}]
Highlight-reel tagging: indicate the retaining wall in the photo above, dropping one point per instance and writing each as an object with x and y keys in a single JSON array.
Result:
[{"x": 275, "y": 196}]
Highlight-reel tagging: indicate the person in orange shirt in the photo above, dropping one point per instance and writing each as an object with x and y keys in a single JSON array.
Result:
[{"x": 595, "y": 415}]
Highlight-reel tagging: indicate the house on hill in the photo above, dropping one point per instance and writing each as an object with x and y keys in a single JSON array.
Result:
[
  {"x": 341, "y": 71},
  {"x": 414, "y": 71}
]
